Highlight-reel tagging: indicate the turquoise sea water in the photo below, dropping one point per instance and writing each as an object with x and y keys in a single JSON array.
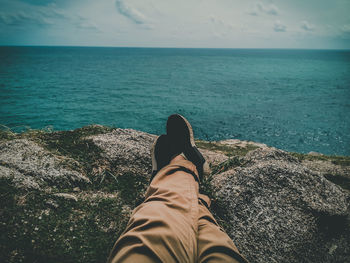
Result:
[{"x": 297, "y": 100}]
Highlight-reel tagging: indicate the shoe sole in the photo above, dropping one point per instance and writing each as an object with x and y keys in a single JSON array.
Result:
[
  {"x": 158, "y": 164},
  {"x": 153, "y": 155}
]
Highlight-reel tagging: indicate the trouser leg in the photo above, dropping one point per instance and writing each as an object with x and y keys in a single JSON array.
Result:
[
  {"x": 214, "y": 245},
  {"x": 164, "y": 227}
]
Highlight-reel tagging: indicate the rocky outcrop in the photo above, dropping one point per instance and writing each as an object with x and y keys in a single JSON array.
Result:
[
  {"x": 67, "y": 196},
  {"x": 128, "y": 150},
  {"x": 280, "y": 211},
  {"x": 31, "y": 166}
]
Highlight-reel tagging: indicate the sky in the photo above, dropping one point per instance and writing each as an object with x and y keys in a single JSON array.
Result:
[{"x": 311, "y": 24}]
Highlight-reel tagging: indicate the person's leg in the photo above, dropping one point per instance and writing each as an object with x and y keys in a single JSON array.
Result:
[
  {"x": 164, "y": 227},
  {"x": 173, "y": 224},
  {"x": 214, "y": 245}
]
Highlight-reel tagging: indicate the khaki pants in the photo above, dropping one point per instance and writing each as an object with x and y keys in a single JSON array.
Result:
[{"x": 173, "y": 224}]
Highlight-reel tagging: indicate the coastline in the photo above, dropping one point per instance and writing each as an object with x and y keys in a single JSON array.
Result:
[{"x": 329, "y": 165}]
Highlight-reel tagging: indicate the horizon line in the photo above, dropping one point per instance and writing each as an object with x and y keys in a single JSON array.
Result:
[{"x": 155, "y": 47}]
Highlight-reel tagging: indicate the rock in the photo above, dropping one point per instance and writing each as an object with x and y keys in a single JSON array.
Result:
[
  {"x": 241, "y": 144},
  {"x": 327, "y": 168},
  {"x": 20, "y": 180},
  {"x": 29, "y": 161},
  {"x": 60, "y": 204},
  {"x": 280, "y": 211},
  {"x": 67, "y": 196},
  {"x": 315, "y": 154},
  {"x": 213, "y": 158},
  {"x": 128, "y": 150}
]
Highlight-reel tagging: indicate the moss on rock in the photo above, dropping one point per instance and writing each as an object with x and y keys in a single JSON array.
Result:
[
  {"x": 41, "y": 227},
  {"x": 226, "y": 149}
]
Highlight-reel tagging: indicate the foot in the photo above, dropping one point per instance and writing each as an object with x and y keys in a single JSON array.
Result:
[
  {"x": 181, "y": 139},
  {"x": 160, "y": 153}
]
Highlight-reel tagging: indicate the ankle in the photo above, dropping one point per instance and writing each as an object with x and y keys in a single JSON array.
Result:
[{"x": 179, "y": 157}]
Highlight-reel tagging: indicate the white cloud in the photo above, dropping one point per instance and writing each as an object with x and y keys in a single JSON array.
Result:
[
  {"x": 260, "y": 8},
  {"x": 279, "y": 27},
  {"x": 131, "y": 13},
  {"x": 181, "y": 23},
  {"x": 307, "y": 26}
]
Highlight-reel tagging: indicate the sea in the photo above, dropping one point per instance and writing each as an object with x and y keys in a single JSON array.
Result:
[{"x": 295, "y": 100}]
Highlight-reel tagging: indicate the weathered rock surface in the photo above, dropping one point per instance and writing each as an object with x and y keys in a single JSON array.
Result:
[
  {"x": 242, "y": 144},
  {"x": 59, "y": 207},
  {"x": 280, "y": 211},
  {"x": 214, "y": 158},
  {"x": 128, "y": 150},
  {"x": 31, "y": 165},
  {"x": 327, "y": 168}
]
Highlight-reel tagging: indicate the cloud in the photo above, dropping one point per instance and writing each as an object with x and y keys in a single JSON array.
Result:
[
  {"x": 88, "y": 25},
  {"x": 21, "y": 14},
  {"x": 84, "y": 23},
  {"x": 45, "y": 16},
  {"x": 215, "y": 20},
  {"x": 22, "y": 18},
  {"x": 220, "y": 27},
  {"x": 260, "y": 8},
  {"x": 345, "y": 29},
  {"x": 345, "y": 32},
  {"x": 279, "y": 27},
  {"x": 307, "y": 26},
  {"x": 253, "y": 13},
  {"x": 129, "y": 12},
  {"x": 38, "y": 2}
]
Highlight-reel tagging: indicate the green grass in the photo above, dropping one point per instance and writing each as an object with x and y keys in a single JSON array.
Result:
[
  {"x": 89, "y": 157},
  {"x": 74, "y": 145},
  {"x": 6, "y": 134},
  {"x": 225, "y": 149},
  {"x": 335, "y": 159},
  {"x": 227, "y": 165}
]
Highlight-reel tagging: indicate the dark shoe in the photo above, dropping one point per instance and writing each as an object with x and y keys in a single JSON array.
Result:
[
  {"x": 160, "y": 153},
  {"x": 181, "y": 139}
]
